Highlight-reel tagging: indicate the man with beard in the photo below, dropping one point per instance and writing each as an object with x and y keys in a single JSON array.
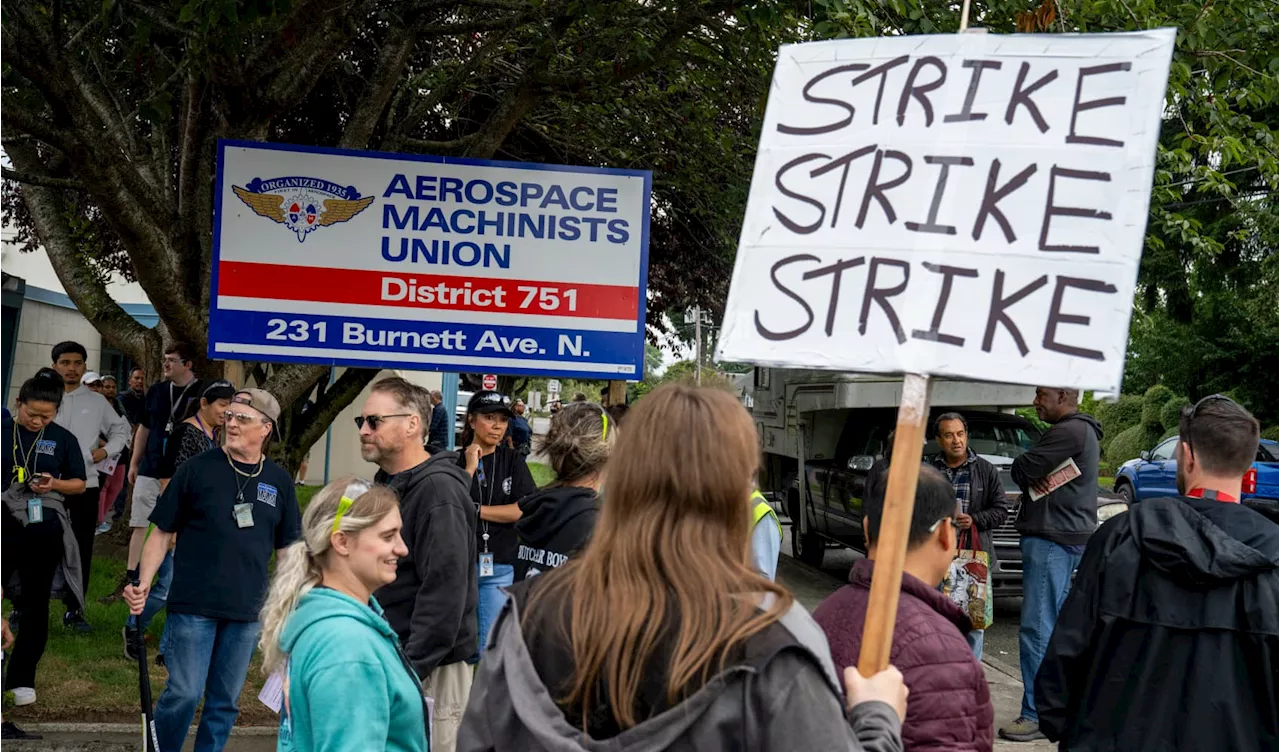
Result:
[
  {"x": 432, "y": 603},
  {"x": 1168, "y": 638}
]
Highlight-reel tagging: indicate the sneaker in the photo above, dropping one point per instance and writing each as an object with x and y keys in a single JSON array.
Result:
[
  {"x": 11, "y": 732},
  {"x": 1022, "y": 730},
  {"x": 105, "y": 527},
  {"x": 75, "y": 620},
  {"x": 24, "y": 696}
]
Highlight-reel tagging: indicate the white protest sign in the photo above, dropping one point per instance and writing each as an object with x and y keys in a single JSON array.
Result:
[{"x": 967, "y": 205}]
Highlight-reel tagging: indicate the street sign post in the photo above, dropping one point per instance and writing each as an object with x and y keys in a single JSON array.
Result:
[{"x": 363, "y": 259}]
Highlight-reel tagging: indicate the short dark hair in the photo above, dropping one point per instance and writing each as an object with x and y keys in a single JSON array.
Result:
[
  {"x": 1222, "y": 434},
  {"x": 935, "y": 499},
  {"x": 62, "y": 348},
  {"x": 182, "y": 350},
  {"x": 937, "y": 424}
]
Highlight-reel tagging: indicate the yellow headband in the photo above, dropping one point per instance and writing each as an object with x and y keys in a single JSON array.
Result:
[{"x": 355, "y": 489}]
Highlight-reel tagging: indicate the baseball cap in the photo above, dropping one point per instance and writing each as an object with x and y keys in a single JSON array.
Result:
[
  {"x": 260, "y": 400},
  {"x": 487, "y": 401},
  {"x": 91, "y": 377},
  {"x": 220, "y": 389}
]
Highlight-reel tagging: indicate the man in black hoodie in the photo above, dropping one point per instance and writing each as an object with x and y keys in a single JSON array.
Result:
[
  {"x": 1055, "y": 528},
  {"x": 1169, "y": 637},
  {"x": 432, "y": 602}
]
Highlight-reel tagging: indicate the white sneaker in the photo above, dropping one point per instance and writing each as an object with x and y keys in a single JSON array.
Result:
[{"x": 24, "y": 696}]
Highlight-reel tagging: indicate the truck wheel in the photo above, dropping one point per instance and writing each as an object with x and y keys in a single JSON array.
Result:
[
  {"x": 1125, "y": 489},
  {"x": 808, "y": 548}
]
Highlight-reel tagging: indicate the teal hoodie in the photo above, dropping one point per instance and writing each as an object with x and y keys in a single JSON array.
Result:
[{"x": 348, "y": 688}]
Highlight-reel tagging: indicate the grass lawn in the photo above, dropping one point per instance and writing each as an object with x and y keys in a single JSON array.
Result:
[{"x": 542, "y": 474}]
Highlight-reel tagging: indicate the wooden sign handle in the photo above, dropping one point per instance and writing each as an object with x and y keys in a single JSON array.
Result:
[{"x": 895, "y": 525}]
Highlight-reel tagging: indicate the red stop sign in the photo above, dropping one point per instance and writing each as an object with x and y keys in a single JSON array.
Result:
[{"x": 490, "y": 381}]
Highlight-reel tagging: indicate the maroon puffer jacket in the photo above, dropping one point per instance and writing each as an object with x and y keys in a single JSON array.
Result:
[{"x": 949, "y": 708}]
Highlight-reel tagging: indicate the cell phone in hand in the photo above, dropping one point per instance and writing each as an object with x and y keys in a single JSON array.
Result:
[{"x": 41, "y": 479}]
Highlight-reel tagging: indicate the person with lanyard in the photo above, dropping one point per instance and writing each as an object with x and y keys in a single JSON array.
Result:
[
  {"x": 42, "y": 468},
  {"x": 196, "y": 434},
  {"x": 1168, "y": 639},
  {"x": 132, "y": 405},
  {"x": 322, "y": 597},
  {"x": 500, "y": 478},
  {"x": 230, "y": 509},
  {"x": 166, "y": 403}
]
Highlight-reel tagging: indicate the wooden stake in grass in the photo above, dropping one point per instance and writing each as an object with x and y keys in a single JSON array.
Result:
[{"x": 895, "y": 525}]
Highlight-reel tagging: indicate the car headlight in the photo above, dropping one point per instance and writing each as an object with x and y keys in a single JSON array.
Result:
[{"x": 1107, "y": 511}]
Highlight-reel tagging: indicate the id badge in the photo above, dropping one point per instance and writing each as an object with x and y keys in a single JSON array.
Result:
[
  {"x": 35, "y": 513},
  {"x": 168, "y": 428},
  {"x": 244, "y": 515},
  {"x": 486, "y": 565}
]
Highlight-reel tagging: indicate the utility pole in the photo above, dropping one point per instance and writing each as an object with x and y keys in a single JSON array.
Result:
[{"x": 697, "y": 338}]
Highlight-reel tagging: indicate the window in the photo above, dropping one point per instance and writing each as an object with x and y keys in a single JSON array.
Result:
[{"x": 1165, "y": 450}]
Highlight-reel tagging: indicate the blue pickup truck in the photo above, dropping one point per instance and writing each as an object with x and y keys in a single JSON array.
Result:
[{"x": 1155, "y": 473}]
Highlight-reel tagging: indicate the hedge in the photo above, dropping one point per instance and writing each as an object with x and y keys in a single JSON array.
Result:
[
  {"x": 1272, "y": 433},
  {"x": 1131, "y": 442},
  {"x": 1171, "y": 413},
  {"x": 1119, "y": 415},
  {"x": 1152, "y": 405}
]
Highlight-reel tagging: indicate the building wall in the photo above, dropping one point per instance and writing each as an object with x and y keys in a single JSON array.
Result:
[
  {"x": 42, "y": 326},
  {"x": 343, "y": 439}
]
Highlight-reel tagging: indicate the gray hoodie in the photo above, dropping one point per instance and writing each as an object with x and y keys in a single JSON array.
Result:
[
  {"x": 88, "y": 415},
  {"x": 791, "y": 700}
]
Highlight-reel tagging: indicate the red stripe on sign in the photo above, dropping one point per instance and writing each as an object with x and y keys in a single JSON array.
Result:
[{"x": 248, "y": 279}]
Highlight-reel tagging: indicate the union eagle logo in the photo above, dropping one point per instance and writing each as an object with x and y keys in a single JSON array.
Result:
[{"x": 302, "y": 204}]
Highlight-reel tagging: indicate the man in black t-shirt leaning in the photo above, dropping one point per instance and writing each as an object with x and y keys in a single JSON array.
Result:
[
  {"x": 233, "y": 507},
  {"x": 165, "y": 404}
]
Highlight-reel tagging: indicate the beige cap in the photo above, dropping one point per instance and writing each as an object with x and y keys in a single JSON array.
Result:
[{"x": 260, "y": 400}]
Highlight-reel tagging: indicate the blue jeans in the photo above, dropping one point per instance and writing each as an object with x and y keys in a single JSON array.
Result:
[
  {"x": 974, "y": 638},
  {"x": 156, "y": 599},
  {"x": 207, "y": 658},
  {"x": 1046, "y": 579},
  {"x": 492, "y": 599}
]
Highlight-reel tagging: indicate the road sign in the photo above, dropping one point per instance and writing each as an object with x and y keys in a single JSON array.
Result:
[
  {"x": 490, "y": 381},
  {"x": 356, "y": 258}
]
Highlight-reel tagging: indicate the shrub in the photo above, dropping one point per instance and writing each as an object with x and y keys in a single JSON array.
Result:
[
  {"x": 1131, "y": 442},
  {"x": 1171, "y": 413},
  {"x": 1119, "y": 415},
  {"x": 1272, "y": 433},
  {"x": 1152, "y": 403}
]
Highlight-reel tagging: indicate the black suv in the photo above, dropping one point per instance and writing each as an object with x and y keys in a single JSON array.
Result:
[{"x": 836, "y": 486}]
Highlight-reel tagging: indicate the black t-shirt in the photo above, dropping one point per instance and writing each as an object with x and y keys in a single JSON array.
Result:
[
  {"x": 54, "y": 451},
  {"x": 166, "y": 404},
  {"x": 502, "y": 478},
  {"x": 220, "y": 568},
  {"x": 135, "y": 407},
  {"x": 185, "y": 442}
]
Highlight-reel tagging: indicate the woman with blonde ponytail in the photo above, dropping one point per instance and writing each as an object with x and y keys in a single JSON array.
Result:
[{"x": 347, "y": 683}]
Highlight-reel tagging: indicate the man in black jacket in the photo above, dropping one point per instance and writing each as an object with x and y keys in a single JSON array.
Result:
[
  {"x": 432, "y": 602},
  {"x": 441, "y": 422},
  {"x": 1059, "y": 481},
  {"x": 1169, "y": 637},
  {"x": 979, "y": 494}
]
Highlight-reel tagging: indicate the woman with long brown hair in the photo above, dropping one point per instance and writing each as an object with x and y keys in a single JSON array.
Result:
[{"x": 660, "y": 635}]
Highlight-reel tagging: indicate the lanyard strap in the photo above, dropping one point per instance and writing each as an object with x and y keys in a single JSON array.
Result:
[
  {"x": 173, "y": 405},
  {"x": 22, "y": 457}
]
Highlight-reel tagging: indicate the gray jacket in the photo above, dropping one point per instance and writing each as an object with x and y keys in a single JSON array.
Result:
[
  {"x": 787, "y": 704},
  {"x": 88, "y": 415},
  {"x": 1069, "y": 515},
  {"x": 15, "y": 500}
]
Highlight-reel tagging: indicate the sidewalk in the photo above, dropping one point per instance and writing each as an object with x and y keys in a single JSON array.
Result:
[{"x": 1006, "y": 700}]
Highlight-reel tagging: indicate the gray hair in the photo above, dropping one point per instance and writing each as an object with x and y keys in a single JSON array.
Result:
[{"x": 411, "y": 396}]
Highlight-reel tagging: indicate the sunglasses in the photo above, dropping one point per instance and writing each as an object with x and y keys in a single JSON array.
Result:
[
  {"x": 242, "y": 419},
  {"x": 376, "y": 420}
]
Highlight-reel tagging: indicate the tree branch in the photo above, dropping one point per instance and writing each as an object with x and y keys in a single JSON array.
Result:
[
  {"x": 391, "y": 62},
  {"x": 41, "y": 180},
  {"x": 83, "y": 286}
]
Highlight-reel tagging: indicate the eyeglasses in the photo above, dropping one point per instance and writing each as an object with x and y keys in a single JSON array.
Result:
[
  {"x": 934, "y": 526},
  {"x": 376, "y": 420},
  {"x": 242, "y": 419},
  {"x": 173, "y": 361},
  {"x": 1189, "y": 414}
]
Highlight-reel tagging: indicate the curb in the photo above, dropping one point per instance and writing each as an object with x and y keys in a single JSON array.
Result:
[{"x": 1004, "y": 667}]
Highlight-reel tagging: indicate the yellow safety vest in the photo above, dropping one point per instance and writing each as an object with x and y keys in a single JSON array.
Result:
[{"x": 761, "y": 510}]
